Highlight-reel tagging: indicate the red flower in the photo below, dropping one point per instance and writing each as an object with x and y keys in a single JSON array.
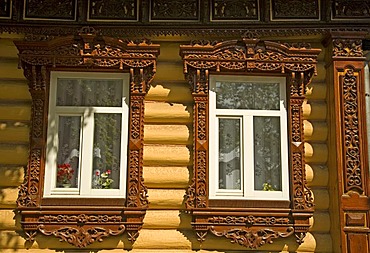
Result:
[{"x": 109, "y": 171}]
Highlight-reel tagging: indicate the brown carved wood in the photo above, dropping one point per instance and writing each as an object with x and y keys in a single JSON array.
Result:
[
  {"x": 249, "y": 223},
  {"x": 84, "y": 221},
  {"x": 347, "y": 68}
]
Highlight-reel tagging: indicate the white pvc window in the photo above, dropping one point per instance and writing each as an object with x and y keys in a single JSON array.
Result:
[
  {"x": 87, "y": 135},
  {"x": 248, "y": 138}
]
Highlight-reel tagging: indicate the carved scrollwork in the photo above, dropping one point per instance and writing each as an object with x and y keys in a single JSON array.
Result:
[
  {"x": 352, "y": 148},
  {"x": 248, "y": 220},
  {"x": 298, "y": 64},
  {"x": 80, "y": 236},
  {"x": 253, "y": 238},
  {"x": 347, "y": 48}
]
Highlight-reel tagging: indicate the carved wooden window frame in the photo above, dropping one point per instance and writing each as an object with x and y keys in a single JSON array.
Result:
[
  {"x": 249, "y": 223},
  {"x": 82, "y": 221}
]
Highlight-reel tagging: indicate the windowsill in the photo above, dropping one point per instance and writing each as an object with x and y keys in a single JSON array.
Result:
[
  {"x": 243, "y": 203},
  {"x": 83, "y": 201}
]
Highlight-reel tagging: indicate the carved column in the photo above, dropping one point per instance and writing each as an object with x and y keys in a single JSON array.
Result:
[{"x": 347, "y": 70}]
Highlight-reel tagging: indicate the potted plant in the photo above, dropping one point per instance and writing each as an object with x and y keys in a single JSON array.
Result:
[{"x": 64, "y": 174}]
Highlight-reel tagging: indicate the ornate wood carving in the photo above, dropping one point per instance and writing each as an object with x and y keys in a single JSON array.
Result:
[
  {"x": 347, "y": 48},
  {"x": 113, "y": 10},
  {"x": 6, "y": 9},
  {"x": 162, "y": 10},
  {"x": 296, "y": 9},
  {"x": 72, "y": 222},
  {"x": 354, "y": 9},
  {"x": 252, "y": 238},
  {"x": 350, "y": 139},
  {"x": 50, "y": 9},
  {"x": 244, "y": 225},
  {"x": 235, "y": 10}
]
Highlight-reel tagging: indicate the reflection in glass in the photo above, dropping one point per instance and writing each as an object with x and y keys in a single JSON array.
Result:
[
  {"x": 89, "y": 92},
  {"x": 247, "y": 95},
  {"x": 267, "y": 153},
  {"x": 107, "y": 151},
  {"x": 68, "y": 156},
  {"x": 229, "y": 154}
]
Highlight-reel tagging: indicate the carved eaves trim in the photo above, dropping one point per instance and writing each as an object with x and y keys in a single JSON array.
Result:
[
  {"x": 296, "y": 62},
  {"x": 79, "y": 224}
]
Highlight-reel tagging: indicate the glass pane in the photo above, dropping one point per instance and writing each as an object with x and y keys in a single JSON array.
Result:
[
  {"x": 247, "y": 95},
  {"x": 107, "y": 151},
  {"x": 89, "y": 92},
  {"x": 229, "y": 154},
  {"x": 68, "y": 156},
  {"x": 267, "y": 153}
]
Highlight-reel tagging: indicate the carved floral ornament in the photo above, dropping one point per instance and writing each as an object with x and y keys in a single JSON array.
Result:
[
  {"x": 246, "y": 222},
  {"x": 76, "y": 223}
]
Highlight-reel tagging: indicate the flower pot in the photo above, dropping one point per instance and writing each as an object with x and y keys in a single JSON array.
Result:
[{"x": 68, "y": 185}]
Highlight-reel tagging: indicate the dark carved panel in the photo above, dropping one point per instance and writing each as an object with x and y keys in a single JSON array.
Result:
[
  {"x": 119, "y": 10},
  {"x": 181, "y": 10},
  {"x": 84, "y": 224},
  {"x": 354, "y": 9},
  {"x": 244, "y": 225},
  {"x": 235, "y": 10},
  {"x": 50, "y": 9},
  {"x": 295, "y": 9},
  {"x": 5, "y": 8}
]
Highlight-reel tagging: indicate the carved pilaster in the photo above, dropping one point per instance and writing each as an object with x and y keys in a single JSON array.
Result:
[{"x": 350, "y": 138}]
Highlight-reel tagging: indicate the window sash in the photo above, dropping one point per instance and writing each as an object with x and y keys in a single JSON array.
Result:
[
  {"x": 247, "y": 143},
  {"x": 86, "y": 113}
]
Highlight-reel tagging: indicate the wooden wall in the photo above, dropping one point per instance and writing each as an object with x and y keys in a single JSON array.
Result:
[{"x": 167, "y": 162}]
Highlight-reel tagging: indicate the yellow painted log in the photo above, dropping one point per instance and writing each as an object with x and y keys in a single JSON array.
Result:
[
  {"x": 166, "y": 155},
  {"x": 320, "y": 222},
  {"x": 170, "y": 52},
  {"x": 321, "y": 198},
  {"x": 170, "y": 92},
  {"x": 167, "y": 134},
  {"x": 321, "y": 73},
  {"x": 9, "y": 133},
  {"x": 14, "y": 154},
  {"x": 7, "y": 48},
  {"x": 315, "y": 130},
  {"x": 9, "y": 70},
  {"x": 14, "y": 90},
  {"x": 8, "y": 197},
  {"x": 8, "y": 220},
  {"x": 11, "y": 176},
  {"x": 161, "y": 239},
  {"x": 166, "y": 219},
  {"x": 158, "y": 112},
  {"x": 316, "y": 152},
  {"x": 169, "y": 71},
  {"x": 316, "y": 90},
  {"x": 166, "y": 177},
  {"x": 323, "y": 243},
  {"x": 317, "y": 175},
  {"x": 15, "y": 112},
  {"x": 314, "y": 110},
  {"x": 166, "y": 199}
]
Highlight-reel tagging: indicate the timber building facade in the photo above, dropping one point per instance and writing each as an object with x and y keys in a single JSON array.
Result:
[{"x": 132, "y": 126}]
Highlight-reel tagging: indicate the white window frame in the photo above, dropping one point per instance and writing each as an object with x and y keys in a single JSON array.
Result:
[
  {"x": 247, "y": 155},
  {"x": 86, "y": 113}
]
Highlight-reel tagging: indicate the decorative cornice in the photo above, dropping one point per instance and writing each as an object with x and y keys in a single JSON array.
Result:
[{"x": 250, "y": 238}]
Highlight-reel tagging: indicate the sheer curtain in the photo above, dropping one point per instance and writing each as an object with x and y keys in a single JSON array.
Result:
[
  {"x": 248, "y": 98},
  {"x": 84, "y": 94}
]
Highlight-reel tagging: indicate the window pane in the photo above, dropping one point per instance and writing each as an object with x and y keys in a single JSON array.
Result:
[
  {"x": 107, "y": 151},
  {"x": 247, "y": 95},
  {"x": 229, "y": 154},
  {"x": 267, "y": 153},
  {"x": 68, "y": 151},
  {"x": 85, "y": 92}
]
